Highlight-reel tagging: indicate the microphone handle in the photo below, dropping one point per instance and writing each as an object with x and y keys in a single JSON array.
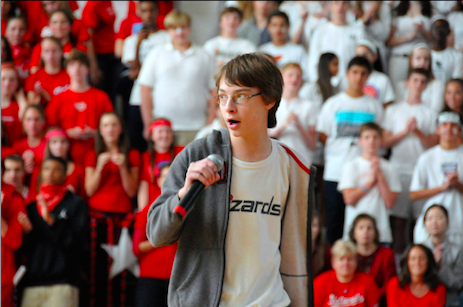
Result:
[{"x": 189, "y": 198}]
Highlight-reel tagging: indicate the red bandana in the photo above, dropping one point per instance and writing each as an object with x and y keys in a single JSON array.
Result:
[{"x": 52, "y": 194}]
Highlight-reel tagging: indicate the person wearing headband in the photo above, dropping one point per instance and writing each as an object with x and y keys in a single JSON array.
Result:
[
  {"x": 59, "y": 145},
  {"x": 438, "y": 178},
  {"x": 378, "y": 85},
  {"x": 281, "y": 48},
  {"x": 447, "y": 63},
  {"x": 433, "y": 95},
  {"x": 176, "y": 82},
  {"x": 161, "y": 149}
]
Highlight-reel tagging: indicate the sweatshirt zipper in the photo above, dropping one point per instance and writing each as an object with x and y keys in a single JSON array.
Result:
[{"x": 227, "y": 216}]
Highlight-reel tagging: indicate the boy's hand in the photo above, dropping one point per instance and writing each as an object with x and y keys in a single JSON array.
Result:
[
  {"x": 29, "y": 162},
  {"x": 24, "y": 221},
  {"x": 204, "y": 171}
]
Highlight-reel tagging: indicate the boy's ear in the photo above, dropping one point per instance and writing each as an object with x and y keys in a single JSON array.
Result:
[{"x": 270, "y": 105}]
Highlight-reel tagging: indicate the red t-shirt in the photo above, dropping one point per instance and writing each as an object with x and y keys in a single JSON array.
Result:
[
  {"x": 397, "y": 297},
  {"x": 37, "y": 51},
  {"x": 380, "y": 266},
  {"x": 21, "y": 146},
  {"x": 147, "y": 173},
  {"x": 110, "y": 195},
  {"x": 361, "y": 291},
  {"x": 13, "y": 125},
  {"x": 100, "y": 16},
  {"x": 4, "y": 24},
  {"x": 71, "y": 109},
  {"x": 158, "y": 262},
  {"x": 52, "y": 84},
  {"x": 21, "y": 55},
  {"x": 12, "y": 204}
]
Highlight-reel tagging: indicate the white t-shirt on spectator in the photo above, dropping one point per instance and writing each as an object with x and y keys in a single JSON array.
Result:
[
  {"x": 447, "y": 64},
  {"x": 291, "y": 136},
  {"x": 288, "y": 53},
  {"x": 404, "y": 27},
  {"x": 181, "y": 85},
  {"x": 432, "y": 96},
  {"x": 378, "y": 86},
  {"x": 340, "y": 40},
  {"x": 354, "y": 175},
  {"x": 225, "y": 49},
  {"x": 252, "y": 248},
  {"x": 340, "y": 120},
  {"x": 157, "y": 39},
  {"x": 405, "y": 154},
  {"x": 431, "y": 171},
  {"x": 456, "y": 24}
]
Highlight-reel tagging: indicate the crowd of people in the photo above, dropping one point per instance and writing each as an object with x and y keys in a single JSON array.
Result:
[{"x": 92, "y": 119}]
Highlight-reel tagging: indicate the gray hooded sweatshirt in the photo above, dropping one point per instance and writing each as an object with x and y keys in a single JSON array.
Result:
[{"x": 199, "y": 266}]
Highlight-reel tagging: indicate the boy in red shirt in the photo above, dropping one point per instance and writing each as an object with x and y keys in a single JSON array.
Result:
[
  {"x": 78, "y": 109},
  {"x": 14, "y": 174},
  {"x": 343, "y": 286}
]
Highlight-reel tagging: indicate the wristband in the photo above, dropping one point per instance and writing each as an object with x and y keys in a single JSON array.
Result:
[{"x": 364, "y": 188}]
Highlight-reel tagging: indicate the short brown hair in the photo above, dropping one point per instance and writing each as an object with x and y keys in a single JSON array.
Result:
[
  {"x": 78, "y": 56},
  {"x": 371, "y": 126},
  {"x": 232, "y": 9},
  {"x": 16, "y": 158},
  {"x": 177, "y": 18},
  {"x": 255, "y": 70},
  {"x": 358, "y": 218}
]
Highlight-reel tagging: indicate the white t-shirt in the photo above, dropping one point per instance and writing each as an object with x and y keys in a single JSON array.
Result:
[
  {"x": 288, "y": 53},
  {"x": 340, "y": 40},
  {"x": 404, "y": 27},
  {"x": 354, "y": 175},
  {"x": 181, "y": 85},
  {"x": 405, "y": 153},
  {"x": 225, "y": 49},
  {"x": 456, "y": 24},
  {"x": 154, "y": 40},
  {"x": 340, "y": 120},
  {"x": 447, "y": 64},
  {"x": 378, "y": 86},
  {"x": 432, "y": 96},
  {"x": 252, "y": 248},
  {"x": 431, "y": 171},
  {"x": 291, "y": 136}
]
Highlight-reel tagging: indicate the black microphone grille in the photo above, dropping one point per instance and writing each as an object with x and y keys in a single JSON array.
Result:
[{"x": 218, "y": 161}]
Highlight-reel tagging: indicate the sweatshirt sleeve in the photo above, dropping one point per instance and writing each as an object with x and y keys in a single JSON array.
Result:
[{"x": 164, "y": 226}]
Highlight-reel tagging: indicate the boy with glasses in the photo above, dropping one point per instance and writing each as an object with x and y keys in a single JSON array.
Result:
[{"x": 245, "y": 241}]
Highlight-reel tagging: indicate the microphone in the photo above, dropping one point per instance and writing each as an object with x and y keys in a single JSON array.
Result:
[{"x": 195, "y": 189}]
